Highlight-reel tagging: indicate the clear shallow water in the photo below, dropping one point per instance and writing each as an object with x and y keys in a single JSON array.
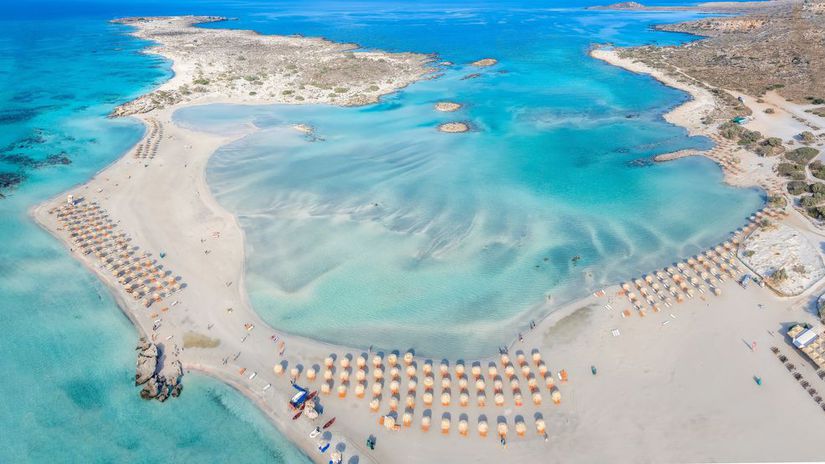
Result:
[
  {"x": 387, "y": 232},
  {"x": 67, "y": 364}
]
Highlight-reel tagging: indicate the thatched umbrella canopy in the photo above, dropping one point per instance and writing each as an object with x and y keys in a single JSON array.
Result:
[
  {"x": 377, "y": 360},
  {"x": 480, "y": 384},
  {"x": 483, "y": 428},
  {"x": 445, "y": 424},
  {"x": 498, "y": 398},
  {"x": 359, "y": 390},
  {"x": 463, "y": 427},
  {"x": 462, "y": 383},
  {"x": 541, "y": 426},
  {"x": 536, "y": 398},
  {"x": 408, "y": 358},
  {"x": 425, "y": 423}
]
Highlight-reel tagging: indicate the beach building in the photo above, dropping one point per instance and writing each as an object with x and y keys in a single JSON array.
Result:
[{"x": 807, "y": 340}]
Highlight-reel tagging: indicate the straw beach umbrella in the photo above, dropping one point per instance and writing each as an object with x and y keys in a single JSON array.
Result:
[
  {"x": 541, "y": 426},
  {"x": 501, "y": 428},
  {"x": 445, "y": 398},
  {"x": 463, "y": 427},
  {"x": 483, "y": 428},
  {"x": 445, "y": 425}
]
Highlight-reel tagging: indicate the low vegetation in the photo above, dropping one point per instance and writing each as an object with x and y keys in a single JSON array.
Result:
[{"x": 802, "y": 155}]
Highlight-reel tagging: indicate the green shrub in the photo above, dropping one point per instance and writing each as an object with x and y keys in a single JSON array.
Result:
[
  {"x": 817, "y": 187},
  {"x": 809, "y": 201},
  {"x": 772, "y": 142},
  {"x": 817, "y": 169},
  {"x": 807, "y": 136},
  {"x": 796, "y": 187},
  {"x": 817, "y": 212},
  {"x": 792, "y": 170},
  {"x": 730, "y": 130},
  {"x": 778, "y": 201},
  {"x": 748, "y": 137},
  {"x": 802, "y": 155},
  {"x": 780, "y": 275}
]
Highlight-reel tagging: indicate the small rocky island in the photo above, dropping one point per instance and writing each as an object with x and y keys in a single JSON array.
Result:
[
  {"x": 484, "y": 62},
  {"x": 159, "y": 374},
  {"x": 447, "y": 107},
  {"x": 454, "y": 127}
]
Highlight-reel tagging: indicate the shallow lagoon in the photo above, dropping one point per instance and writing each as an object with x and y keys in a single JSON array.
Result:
[{"x": 381, "y": 230}]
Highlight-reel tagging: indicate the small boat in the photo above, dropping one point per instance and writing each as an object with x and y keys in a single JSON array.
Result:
[
  {"x": 253, "y": 375},
  {"x": 268, "y": 386},
  {"x": 329, "y": 422},
  {"x": 593, "y": 369},
  {"x": 315, "y": 432},
  {"x": 323, "y": 448},
  {"x": 311, "y": 395},
  {"x": 297, "y": 415}
]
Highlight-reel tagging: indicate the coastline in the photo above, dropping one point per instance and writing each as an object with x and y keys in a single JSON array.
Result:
[
  {"x": 740, "y": 167},
  {"x": 193, "y": 208}
]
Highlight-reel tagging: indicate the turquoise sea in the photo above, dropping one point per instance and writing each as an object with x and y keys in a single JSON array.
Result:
[{"x": 384, "y": 232}]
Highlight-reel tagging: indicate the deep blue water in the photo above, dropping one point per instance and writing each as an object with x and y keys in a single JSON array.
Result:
[{"x": 67, "y": 350}]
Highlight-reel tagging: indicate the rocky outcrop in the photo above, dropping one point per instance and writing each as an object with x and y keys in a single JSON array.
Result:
[
  {"x": 159, "y": 373},
  {"x": 147, "y": 361}
]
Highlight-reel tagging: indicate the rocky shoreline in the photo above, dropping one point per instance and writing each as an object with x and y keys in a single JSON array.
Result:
[{"x": 159, "y": 372}]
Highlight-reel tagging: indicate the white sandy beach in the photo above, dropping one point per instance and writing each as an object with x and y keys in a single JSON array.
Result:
[{"x": 674, "y": 386}]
